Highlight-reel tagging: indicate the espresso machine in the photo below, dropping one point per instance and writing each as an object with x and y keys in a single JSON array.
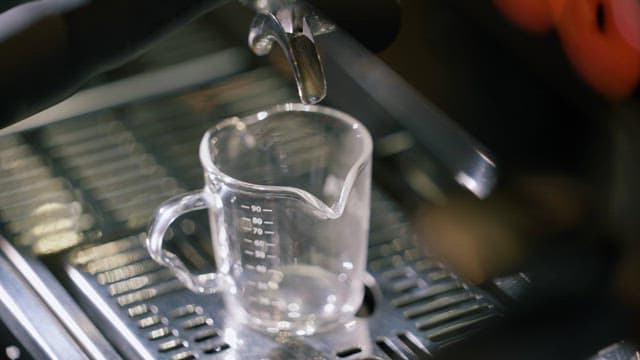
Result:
[{"x": 80, "y": 180}]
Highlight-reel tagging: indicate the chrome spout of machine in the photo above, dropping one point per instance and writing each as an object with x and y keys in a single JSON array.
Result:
[{"x": 292, "y": 25}]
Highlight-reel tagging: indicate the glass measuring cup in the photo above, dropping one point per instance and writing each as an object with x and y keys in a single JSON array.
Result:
[{"x": 288, "y": 196}]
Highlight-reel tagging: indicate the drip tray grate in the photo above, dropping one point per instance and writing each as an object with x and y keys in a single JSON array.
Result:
[
  {"x": 108, "y": 171},
  {"x": 414, "y": 314}
]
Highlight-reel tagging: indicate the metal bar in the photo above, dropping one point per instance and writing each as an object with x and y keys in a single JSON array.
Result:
[
  {"x": 57, "y": 300},
  {"x": 468, "y": 161},
  {"x": 168, "y": 80},
  {"x": 31, "y": 321}
]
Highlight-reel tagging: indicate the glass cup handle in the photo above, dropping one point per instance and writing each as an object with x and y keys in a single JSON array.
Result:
[{"x": 167, "y": 212}]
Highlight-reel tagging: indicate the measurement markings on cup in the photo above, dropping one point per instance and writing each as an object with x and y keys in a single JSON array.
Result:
[{"x": 259, "y": 245}]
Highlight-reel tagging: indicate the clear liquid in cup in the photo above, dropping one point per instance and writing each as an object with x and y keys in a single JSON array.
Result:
[{"x": 305, "y": 299}]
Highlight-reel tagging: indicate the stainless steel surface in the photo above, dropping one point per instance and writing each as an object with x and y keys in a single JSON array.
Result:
[
  {"x": 419, "y": 306},
  {"x": 30, "y": 319},
  {"x": 40, "y": 209},
  {"x": 123, "y": 148},
  {"x": 65, "y": 309},
  {"x": 413, "y": 315},
  {"x": 292, "y": 25},
  {"x": 467, "y": 161},
  {"x": 170, "y": 79},
  {"x": 623, "y": 350}
]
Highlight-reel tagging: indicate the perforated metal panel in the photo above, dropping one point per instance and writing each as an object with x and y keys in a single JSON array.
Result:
[
  {"x": 418, "y": 305},
  {"x": 111, "y": 169},
  {"x": 90, "y": 183}
]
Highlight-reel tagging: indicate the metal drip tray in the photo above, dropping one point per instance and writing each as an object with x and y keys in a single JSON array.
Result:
[
  {"x": 90, "y": 184},
  {"x": 76, "y": 196},
  {"x": 98, "y": 178},
  {"x": 416, "y": 305}
]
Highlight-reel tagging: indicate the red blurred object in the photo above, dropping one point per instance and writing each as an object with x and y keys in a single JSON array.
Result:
[
  {"x": 597, "y": 48},
  {"x": 555, "y": 8},
  {"x": 531, "y": 15},
  {"x": 626, "y": 14}
]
